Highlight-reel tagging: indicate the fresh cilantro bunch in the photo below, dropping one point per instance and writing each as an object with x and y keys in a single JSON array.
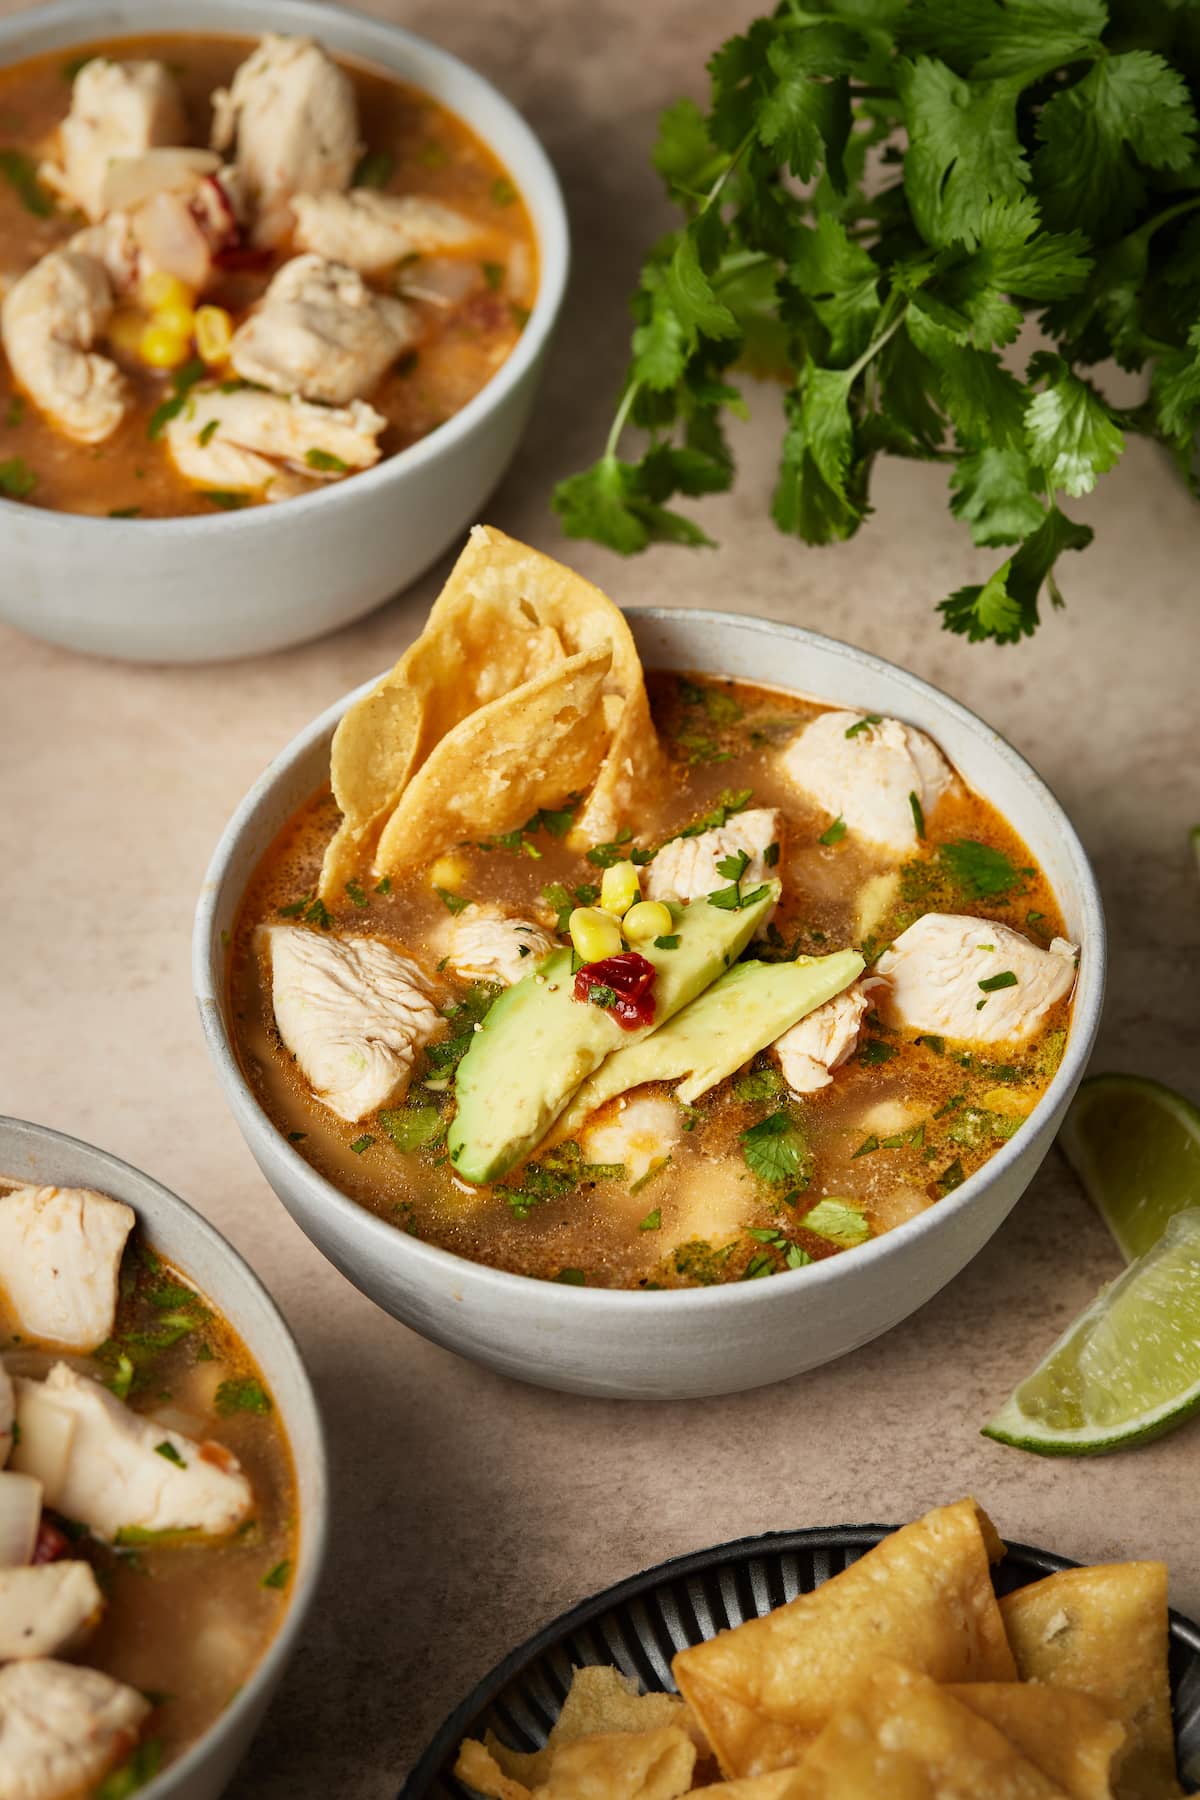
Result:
[{"x": 877, "y": 196}]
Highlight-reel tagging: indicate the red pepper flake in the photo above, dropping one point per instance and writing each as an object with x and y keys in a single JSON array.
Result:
[
  {"x": 52, "y": 1544},
  {"x": 629, "y": 978}
]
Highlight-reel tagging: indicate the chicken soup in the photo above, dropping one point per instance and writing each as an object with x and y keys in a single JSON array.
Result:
[
  {"x": 148, "y": 1514},
  {"x": 723, "y": 982},
  {"x": 234, "y": 272}
]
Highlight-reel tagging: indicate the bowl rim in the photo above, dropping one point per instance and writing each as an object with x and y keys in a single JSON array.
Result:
[
  {"x": 553, "y": 241},
  {"x": 376, "y": 1235},
  {"x": 269, "y": 1670},
  {"x": 717, "y": 1558}
]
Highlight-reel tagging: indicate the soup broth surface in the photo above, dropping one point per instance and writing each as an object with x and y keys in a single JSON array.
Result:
[
  {"x": 184, "y": 1623},
  {"x": 414, "y": 146},
  {"x": 903, "y": 1122}
]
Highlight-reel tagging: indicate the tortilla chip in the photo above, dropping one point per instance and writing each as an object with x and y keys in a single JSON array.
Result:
[
  {"x": 1103, "y": 1631},
  {"x": 904, "y": 1737},
  {"x": 479, "y": 1770},
  {"x": 599, "y": 1700},
  {"x": 781, "y": 1784},
  {"x": 529, "y": 749},
  {"x": 923, "y": 1596},
  {"x": 626, "y": 1765},
  {"x": 1069, "y": 1737},
  {"x": 506, "y": 615}
]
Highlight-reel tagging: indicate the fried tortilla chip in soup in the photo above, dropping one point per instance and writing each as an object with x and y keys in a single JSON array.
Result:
[
  {"x": 1104, "y": 1631},
  {"x": 922, "y": 1597},
  {"x": 506, "y": 616},
  {"x": 1069, "y": 1737},
  {"x": 903, "y": 1737}
]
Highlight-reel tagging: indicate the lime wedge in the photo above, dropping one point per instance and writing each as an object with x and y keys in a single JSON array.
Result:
[
  {"x": 1135, "y": 1145},
  {"x": 1128, "y": 1369}
]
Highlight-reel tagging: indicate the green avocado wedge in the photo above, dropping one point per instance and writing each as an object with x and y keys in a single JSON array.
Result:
[
  {"x": 746, "y": 1009},
  {"x": 538, "y": 1043}
]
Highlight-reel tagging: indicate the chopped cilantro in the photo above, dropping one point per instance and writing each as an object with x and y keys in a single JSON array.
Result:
[
  {"x": 206, "y": 431},
  {"x": 599, "y": 995},
  {"x": 503, "y": 193},
  {"x": 17, "y": 479},
  {"x": 605, "y": 855},
  {"x": 918, "y": 813},
  {"x": 121, "y": 1380},
  {"x": 226, "y": 499},
  {"x": 278, "y": 1577},
  {"x": 702, "y": 1262},
  {"x": 433, "y": 155},
  {"x": 865, "y": 1148},
  {"x": 833, "y": 834},
  {"x": 875, "y": 1050},
  {"x": 979, "y": 870},
  {"x": 374, "y": 169},
  {"x": 932, "y": 1042},
  {"x": 355, "y": 895},
  {"x": 362, "y": 1143},
  {"x": 952, "y": 1176},
  {"x": 242, "y": 1393},
  {"x": 771, "y": 855},
  {"x": 864, "y": 724},
  {"x": 839, "y": 1221},
  {"x": 776, "y": 1149},
  {"x": 167, "y": 1450},
  {"x": 20, "y": 170},
  {"x": 652, "y": 1220},
  {"x": 182, "y": 382},
  {"x": 297, "y": 1137},
  {"x": 493, "y": 274},
  {"x": 125, "y": 512},
  {"x": 656, "y": 1168},
  {"x": 325, "y": 460},
  {"x": 993, "y": 983},
  {"x": 670, "y": 940},
  {"x": 572, "y": 1277},
  {"x": 758, "y": 1084},
  {"x": 414, "y": 1128},
  {"x": 1034, "y": 918},
  {"x": 454, "y": 903},
  {"x": 384, "y": 886},
  {"x": 734, "y": 867},
  {"x": 557, "y": 1174},
  {"x": 137, "y": 1771}
]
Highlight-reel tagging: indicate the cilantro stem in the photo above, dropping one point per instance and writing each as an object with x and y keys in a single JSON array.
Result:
[
  {"x": 632, "y": 389},
  {"x": 872, "y": 350}
]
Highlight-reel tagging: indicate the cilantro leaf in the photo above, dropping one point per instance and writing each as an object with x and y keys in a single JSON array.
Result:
[
  {"x": 1006, "y": 37},
  {"x": 776, "y": 1150},
  {"x": 1070, "y": 431},
  {"x": 963, "y": 148},
  {"x": 839, "y": 1221},
  {"x": 1005, "y": 607}
]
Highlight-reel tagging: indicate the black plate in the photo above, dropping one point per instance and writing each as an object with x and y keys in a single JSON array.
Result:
[{"x": 639, "y": 1624}]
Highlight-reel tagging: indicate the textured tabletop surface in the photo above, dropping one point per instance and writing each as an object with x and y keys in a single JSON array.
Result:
[{"x": 469, "y": 1510}]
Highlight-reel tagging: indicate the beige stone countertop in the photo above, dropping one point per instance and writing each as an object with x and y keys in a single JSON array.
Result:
[{"x": 467, "y": 1510}]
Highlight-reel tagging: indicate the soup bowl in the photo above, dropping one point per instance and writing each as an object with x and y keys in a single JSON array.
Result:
[
  {"x": 692, "y": 1342},
  {"x": 34, "y": 1153},
  {"x": 241, "y": 583}
]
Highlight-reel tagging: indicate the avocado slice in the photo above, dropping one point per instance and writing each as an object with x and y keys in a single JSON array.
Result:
[
  {"x": 538, "y": 1043},
  {"x": 748, "y": 1008}
]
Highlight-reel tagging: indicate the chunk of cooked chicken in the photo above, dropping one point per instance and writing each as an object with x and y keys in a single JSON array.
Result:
[
  {"x": 483, "y": 944},
  {"x": 47, "y": 1610},
  {"x": 118, "y": 109},
  {"x": 115, "y": 1475},
  {"x": 353, "y": 1012},
  {"x": 371, "y": 232},
  {"x": 293, "y": 114},
  {"x": 686, "y": 868},
  {"x": 865, "y": 770},
  {"x": 246, "y": 440},
  {"x": 60, "y": 1256},
  {"x": 50, "y": 319},
  {"x": 937, "y": 977},
  {"x": 7, "y": 1410},
  {"x": 63, "y": 1728},
  {"x": 319, "y": 331},
  {"x": 112, "y": 243},
  {"x": 812, "y": 1049},
  {"x": 640, "y": 1134}
]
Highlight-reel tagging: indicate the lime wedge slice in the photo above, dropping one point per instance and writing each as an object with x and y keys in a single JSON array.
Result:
[
  {"x": 1128, "y": 1369},
  {"x": 1135, "y": 1145}
]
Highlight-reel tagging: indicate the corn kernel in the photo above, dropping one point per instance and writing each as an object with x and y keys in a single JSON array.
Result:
[
  {"x": 179, "y": 319},
  {"x": 161, "y": 348},
  {"x": 125, "y": 331},
  {"x": 448, "y": 872},
  {"x": 594, "y": 933},
  {"x": 1012, "y": 1102},
  {"x": 158, "y": 290},
  {"x": 648, "y": 920},
  {"x": 619, "y": 889},
  {"x": 214, "y": 333}
]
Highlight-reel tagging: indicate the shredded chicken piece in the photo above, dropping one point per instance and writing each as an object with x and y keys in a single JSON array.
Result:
[
  {"x": 483, "y": 944},
  {"x": 63, "y": 1728},
  {"x": 49, "y": 1609},
  {"x": 60, "y": 1257},
  {"x": 248, "y": 441},
  {"x": 371, "y": 232},
  {"x": 932, "y": 979},
  {"x": 320, "y": 332},
  {"x": 118, "y": 109},
  {"x": 49, "y": 321},
  {"x": 686, "y": 868},
  {"x": 868, "y": 772},
  {"x": 816, "y": 1045}
]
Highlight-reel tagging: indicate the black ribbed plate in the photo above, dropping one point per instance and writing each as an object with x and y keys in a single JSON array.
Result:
[{"x": 639, "y": 1624}]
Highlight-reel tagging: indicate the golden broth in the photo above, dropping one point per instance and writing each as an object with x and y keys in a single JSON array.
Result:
[
  {"x": 184, "y": 1623},
  {"x": 949, "y": 1108},
  {"x": 434, "y": 154}
]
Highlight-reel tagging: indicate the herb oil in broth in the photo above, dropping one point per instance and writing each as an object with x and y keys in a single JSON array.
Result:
[
  {"x": 184, "y": 1623},
  {"x": 903, "y": 1122},
  {"x": 414, "y": 146}
]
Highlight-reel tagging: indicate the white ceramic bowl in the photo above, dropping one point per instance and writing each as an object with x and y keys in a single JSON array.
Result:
[
  {"x": 676, "y": 1344},
  {"x": 240, "y": 583},
  {"x": 35, "y": 1153}
]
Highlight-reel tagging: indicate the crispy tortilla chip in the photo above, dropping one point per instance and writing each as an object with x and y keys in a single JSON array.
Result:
[
  {"x": 527, "y": 750},
  {"x": 781, "y": 1784},
  {"x": 923, "y": 1596},
  {"x": 906, "y": 1738},
  {"x": 625, "y": 1765},
  {"x": 479, "y": 1770},
  {"x": 600, "y": 1699},
  {"x": 1069, "y": 1737},
  {"x": 1103, "y": 1631},
  {"x": 506, "y": 615}
]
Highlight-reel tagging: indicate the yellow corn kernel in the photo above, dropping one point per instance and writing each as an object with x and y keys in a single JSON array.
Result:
[
  {"x": 158, "y": 290},
  {"x": 214, "y": 333},
  {"x": 125, "y": 331},
  {"x": 619, "y": 889},
  {"x": 1010, "y": 1101},
  {"x": 179, "y": 319},
  {"x": 594, "y": 933},
  {"x": 448, "y": 872},
  {"x": 646, "y": 921},
  {"x": 161, "y": 348}
]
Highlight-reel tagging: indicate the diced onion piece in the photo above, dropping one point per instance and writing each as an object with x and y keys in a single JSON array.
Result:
[
  {"x": 441, "y": 280},
  {"x": 648, "y": 920},
  {"x": 620, "y": 888},
  {"x": 20, "y": 1515},
  {"x": 595, "y": 934},
  {"x": 214, "y": 334},
  {"x": 172, "y": 241},
  {"x": 46, "y": 1433},
  {"x": 130, "y": 180}
]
